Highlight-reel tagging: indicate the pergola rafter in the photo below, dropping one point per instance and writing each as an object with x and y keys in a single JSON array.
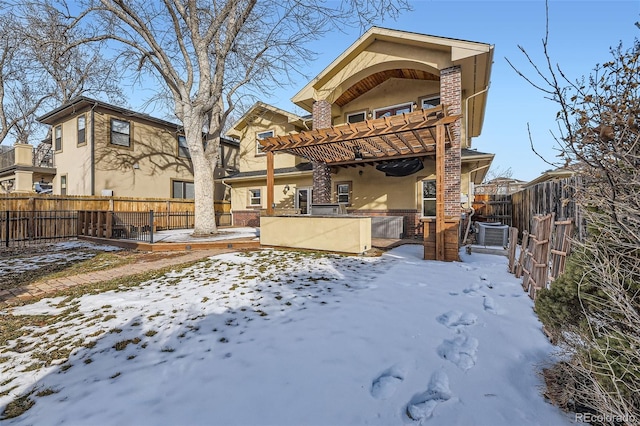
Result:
[{"x": 410, "y": 134}]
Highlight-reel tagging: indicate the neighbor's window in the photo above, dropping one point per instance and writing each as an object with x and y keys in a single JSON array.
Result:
[
  {"x": 82, "y": 134},
  {"x": 356, "y": 117},
  {"x": 259, "y": 137},
  {"x": 393, "y": 110},
  {"x": 430, "y": 102},
  {"x": 120, "y": 132},
  {"x": 254, "y": 197},
  {"x": 58, "y": 137},
  {"x": 428, "y": 198},
  {"x": 343, "y": 193},
  {"x": 183, "y": 190},
  {"x": 63, "y": 185},
  {"x": 183, "y": 149}
]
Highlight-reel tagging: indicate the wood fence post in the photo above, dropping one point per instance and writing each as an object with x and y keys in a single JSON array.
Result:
[{"x": 513, "y": 242}]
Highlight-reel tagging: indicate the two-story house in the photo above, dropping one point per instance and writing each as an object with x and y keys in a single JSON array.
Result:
[
  {"x": 103, "y": 149},
  {"x": 369, "y": 142}
]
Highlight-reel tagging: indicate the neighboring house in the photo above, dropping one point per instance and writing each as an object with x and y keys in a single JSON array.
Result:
[
  {"x": 559, "y": 173},
  {"x": 22, "y": 166},
  {"x": 103, "y": 149},
  {"x": 370, "y": 142},
  {"x": 500, "y": 186}
]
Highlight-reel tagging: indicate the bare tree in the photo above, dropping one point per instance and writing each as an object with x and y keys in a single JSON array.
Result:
[
  {"x": 599, "y": 137},
  {"x": 19, "y": 82},
  {"x": 209, "y": 56},
  {"x": 51, "y": 35},
  {"x": 43, "y": 66}
]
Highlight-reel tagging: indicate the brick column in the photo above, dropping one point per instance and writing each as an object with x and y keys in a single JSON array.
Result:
[
  {"x": 451, "y": 95},
  {"x": 321, "y": 172}
]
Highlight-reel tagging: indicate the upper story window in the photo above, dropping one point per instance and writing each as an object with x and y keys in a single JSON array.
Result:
[
  {"x": 63, "y": 185},
  {"x": 82, "y": 133},
  {"x": 356, "y": 117},
  {"x": 430, "y": 102},
  {"x": 428, "y": 198},
  {"x": 120, "y": 132},
  {"x": 392, "y": 110},
  {"x": 183, "y": 148},
  {"x": 259, "y": 137},
  {"x": 58, "y": 138}
]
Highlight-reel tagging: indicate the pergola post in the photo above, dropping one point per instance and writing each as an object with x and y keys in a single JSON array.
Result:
[
  {"x": 440, "y": 177},
  {"x": 270, "y": 179}
]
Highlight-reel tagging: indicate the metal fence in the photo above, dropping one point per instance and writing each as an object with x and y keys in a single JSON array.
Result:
[
  {"x": 141, "y": 226},
  {"x": 21, "y": 228},
  {"x": 136, "y": 226}
]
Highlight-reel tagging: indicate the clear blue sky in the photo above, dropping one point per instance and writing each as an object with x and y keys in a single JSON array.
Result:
[{"x": 580, "y": 34}]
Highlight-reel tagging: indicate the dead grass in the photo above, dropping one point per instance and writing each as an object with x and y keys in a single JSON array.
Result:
[{"x": 17, "y": 407}]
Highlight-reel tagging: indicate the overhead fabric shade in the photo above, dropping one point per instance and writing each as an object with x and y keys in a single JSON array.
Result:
[{"x": 401, "y": 167}]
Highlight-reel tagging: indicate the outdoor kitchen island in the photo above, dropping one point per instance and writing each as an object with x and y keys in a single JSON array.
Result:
[{"x": 339, "y": 233}]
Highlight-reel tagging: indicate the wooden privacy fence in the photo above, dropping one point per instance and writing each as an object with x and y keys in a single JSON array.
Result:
[
  {"x": 555, "y": 196},
  {"x": 43, "y": 202},
  {"x": 493, "y": 208},
  {"x": 21, "y": 228},
  {"x": 543, "y": 252}
]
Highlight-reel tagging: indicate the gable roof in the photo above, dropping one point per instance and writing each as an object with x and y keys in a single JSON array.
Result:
[
  {"x": 559, "y": 173},
  {"x": 474, "y": 58},
  {"x": 260, "y": 108},
  {"x": 80, "y": 103}
]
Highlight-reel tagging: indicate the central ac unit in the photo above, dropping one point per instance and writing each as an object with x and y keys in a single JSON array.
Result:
[{"x": 492, "y": 234}]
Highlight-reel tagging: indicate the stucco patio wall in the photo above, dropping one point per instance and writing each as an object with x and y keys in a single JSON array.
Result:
[{"x": 340, "y": 234}]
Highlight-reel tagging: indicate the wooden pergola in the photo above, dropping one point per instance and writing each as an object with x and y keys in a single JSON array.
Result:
[{"x": 417, "y": 134}]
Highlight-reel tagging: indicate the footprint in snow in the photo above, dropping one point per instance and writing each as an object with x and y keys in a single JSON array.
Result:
[
  {"x": 472, "y": 289},
  {"x": 386, "y": 384},
  {"x": 461, "y": 351},
  {"x": 422, "y": 405},
  {"x": 455, "y": 319},
  {"x": 490, "y": 305},
  {"x": 467, "y": 267}
]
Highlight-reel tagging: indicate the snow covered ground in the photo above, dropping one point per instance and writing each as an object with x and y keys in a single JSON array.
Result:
[
  {"x": 184, "y": 235},
  {"x": 66, "y": 252},
  {"x": 290, "y": 338}
]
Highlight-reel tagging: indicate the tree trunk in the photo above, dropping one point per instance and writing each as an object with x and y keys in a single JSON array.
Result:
[{"x": 203, "y": 168}]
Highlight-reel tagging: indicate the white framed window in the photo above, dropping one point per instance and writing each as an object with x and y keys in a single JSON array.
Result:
[
  {"x": 259, "y": 137},
  {"x": 255, "y": 197},
  {"x": 82, "y": 126},
  {"x": 343, "y": 193},
  {"x": 120, "y": 132},
  {"x": 183, "y": 189},
  {"x": 429, "y": 198},
  {"x": 63, "y": 185},
  {"x": 392, "y": 110},
  {"x": 356, "y": 117},
  {"x": 58, "y": 138},
  {"x": 183, "y": 148},
  {"x": 430, "y": 102}
]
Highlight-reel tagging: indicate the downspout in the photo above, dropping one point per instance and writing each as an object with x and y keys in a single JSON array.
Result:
[
  {"x": 466, "y": 233},
  {"x": 466, "y": 114},
  {"x": 93, "y": 151},
  {"x": 231, "y": 208}
]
